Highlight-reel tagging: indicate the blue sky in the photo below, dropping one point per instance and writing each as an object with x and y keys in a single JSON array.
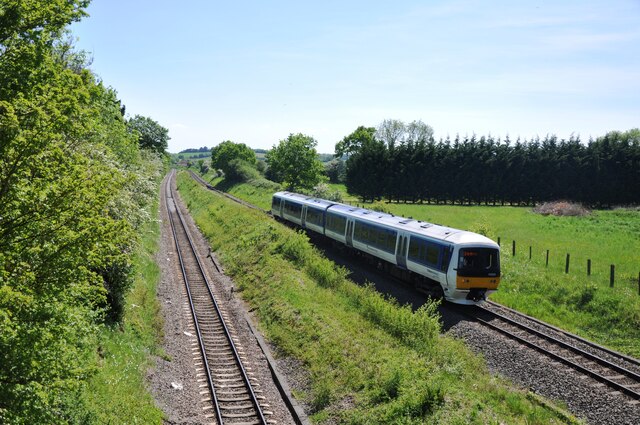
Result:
[{"x": 255, "y": 71}]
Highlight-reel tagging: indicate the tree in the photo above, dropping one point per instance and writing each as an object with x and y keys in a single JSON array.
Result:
[
  {"x": 71, "y": 193},
  {"x": 351, "y": 143},
  {"x": 419, "y": 132},
  {"x": 294, "y": 162},
  {"x": 151, "y": 135},
  {"x": 368, "y": 170},
  {"x": 336, "y": 171},
  {"x": 390, "y": 132},
  {"x": 227, "y": 151}
]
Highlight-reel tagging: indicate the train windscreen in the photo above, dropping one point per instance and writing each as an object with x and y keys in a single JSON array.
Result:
[{"x": 479, "y": 262}]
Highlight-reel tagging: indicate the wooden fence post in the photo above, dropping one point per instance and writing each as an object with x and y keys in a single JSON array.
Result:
[
  {"x": 513, "y": 249},
  {"x": 566, "y": 266},
  {"x": 612, "y": 276},
  {"x": 529, "y": 252},
  {"x": 589, "y": 267},
  {"x": 547, "y": 263}
]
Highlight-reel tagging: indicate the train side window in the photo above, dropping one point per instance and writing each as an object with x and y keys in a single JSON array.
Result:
[
  {"x": 293, "y": 209},
  {"x": 433, "y": 252},
  {"x": 446, "y": 258},
  {"x": 425, "y": 252},
  {"x": 314, "y": 216},
  {"x": 414, "y": 249},
  {"x": 336, "y": 223}
]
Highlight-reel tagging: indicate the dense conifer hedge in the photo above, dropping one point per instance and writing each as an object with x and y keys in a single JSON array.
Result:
[{"x": 601, "y": 172}]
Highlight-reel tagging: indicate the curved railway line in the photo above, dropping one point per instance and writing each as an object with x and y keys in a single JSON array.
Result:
[
  {"x": 232, "y": 395},
  {"x": 618, "y": 373}
]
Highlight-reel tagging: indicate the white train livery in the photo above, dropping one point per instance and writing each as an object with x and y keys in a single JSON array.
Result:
[{"x": 462, "y": 267}]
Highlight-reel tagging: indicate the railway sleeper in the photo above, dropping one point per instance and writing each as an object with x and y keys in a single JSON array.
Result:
[
  {"x": 223, "y": 380},
  {"x": 245, "y": 397},
  {"x": 238, "y": 385},
  {"x": 238, "y": 415},
  {"x": 237, "y": 407}
]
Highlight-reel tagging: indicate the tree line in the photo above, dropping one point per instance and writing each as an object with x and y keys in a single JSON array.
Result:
[
  {"x": 403, "y": 162},
  {"x": 76, "y": 181},
  {"x": 293, "y": 162}
]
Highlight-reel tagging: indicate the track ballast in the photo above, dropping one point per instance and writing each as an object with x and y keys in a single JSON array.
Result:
[
  {"x": 620, "y": 373},
  {"x": 232, "y": 395}
]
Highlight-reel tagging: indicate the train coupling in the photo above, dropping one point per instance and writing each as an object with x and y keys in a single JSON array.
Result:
[{"x": 477, "y": 294}]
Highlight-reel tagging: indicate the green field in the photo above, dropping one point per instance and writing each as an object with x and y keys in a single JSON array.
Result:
[
  {"x": 368, "y": 360},
  {"x": 581, "y": 304}
]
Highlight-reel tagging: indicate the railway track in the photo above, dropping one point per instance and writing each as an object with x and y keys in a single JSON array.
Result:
[
  {"x": 225, "y": 194},
  {"x": 618, "y": 372},
  {"x": 232, "y": 396}
]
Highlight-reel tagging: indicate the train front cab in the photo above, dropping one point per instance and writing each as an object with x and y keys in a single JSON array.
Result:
[{"x": 474, "y": 273}]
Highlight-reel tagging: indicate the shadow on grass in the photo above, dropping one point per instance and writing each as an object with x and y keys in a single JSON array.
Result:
[{"x": 226, "y": 185}]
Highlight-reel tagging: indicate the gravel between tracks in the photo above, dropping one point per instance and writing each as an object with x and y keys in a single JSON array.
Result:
[
  {"x": 184, "y": 405},
  {"x": 586, "y": 398}
]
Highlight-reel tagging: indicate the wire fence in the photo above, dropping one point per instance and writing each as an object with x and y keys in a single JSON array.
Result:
[{"x": 568, "y": 264}]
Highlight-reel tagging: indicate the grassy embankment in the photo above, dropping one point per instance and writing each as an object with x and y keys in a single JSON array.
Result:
[
  {"x": 580, "y": 304},
  {"x": 117, "y": 393},
  {"x": 369, "y": 360}
]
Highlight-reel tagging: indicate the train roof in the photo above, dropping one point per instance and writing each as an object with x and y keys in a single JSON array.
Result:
[
  {"x": 304, "y": 199},
  {"x": 422, "y": 228}
]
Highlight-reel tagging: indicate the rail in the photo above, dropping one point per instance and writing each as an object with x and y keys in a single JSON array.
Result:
[{"x": 214, "y": 344}]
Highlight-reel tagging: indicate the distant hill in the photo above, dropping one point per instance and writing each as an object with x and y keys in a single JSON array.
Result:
[{"x": 202, "y": 149}]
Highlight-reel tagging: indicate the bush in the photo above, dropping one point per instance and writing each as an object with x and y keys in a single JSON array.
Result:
[
  {"x": 323, "y": 191},
  {"x": 239, "y": 170}
]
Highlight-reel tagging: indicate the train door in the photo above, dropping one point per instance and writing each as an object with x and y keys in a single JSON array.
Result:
[
  {"x": 349, "y": 235},
  {"x": 303, "y": 217},
  {"x": 401, "y": 253},
  {"x": 451, "y": 265}
]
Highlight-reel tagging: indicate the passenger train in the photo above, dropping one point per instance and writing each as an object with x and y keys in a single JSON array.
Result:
[{"x": 462, "y": 267}]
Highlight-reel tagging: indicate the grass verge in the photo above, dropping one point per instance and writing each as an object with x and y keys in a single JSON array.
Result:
[
  {"x": 368, "y": 359},
  {"x": 117, "y": 394}
]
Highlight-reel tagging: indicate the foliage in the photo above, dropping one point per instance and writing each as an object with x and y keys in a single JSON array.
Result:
[
  {"x": 368, "y": 360},
  {"x": 72, "y": 182},
  {"x": 416, "y": 168},
  {"x": 323, "y": 191},
  {"x": 354, "y": 141},
  {"x": 35, "y": 20},
  {"x": 336, "y": 171},
  {"x": 228, "y": 151},
  {"x": 294, "y": 162},
  {"x": 117, "y": 393},
  {"x": 203, "y": 149},
  {"x": 239, "y": 170},
  {"x": 367, "y": 170},
  {"x": 394, "y": 132},
  {"x": 151, "y": 135}
]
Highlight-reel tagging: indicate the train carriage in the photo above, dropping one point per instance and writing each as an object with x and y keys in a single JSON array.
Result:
[
  {"x": 305, "y": 211},
  {"x": 461, "y": 266}
]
